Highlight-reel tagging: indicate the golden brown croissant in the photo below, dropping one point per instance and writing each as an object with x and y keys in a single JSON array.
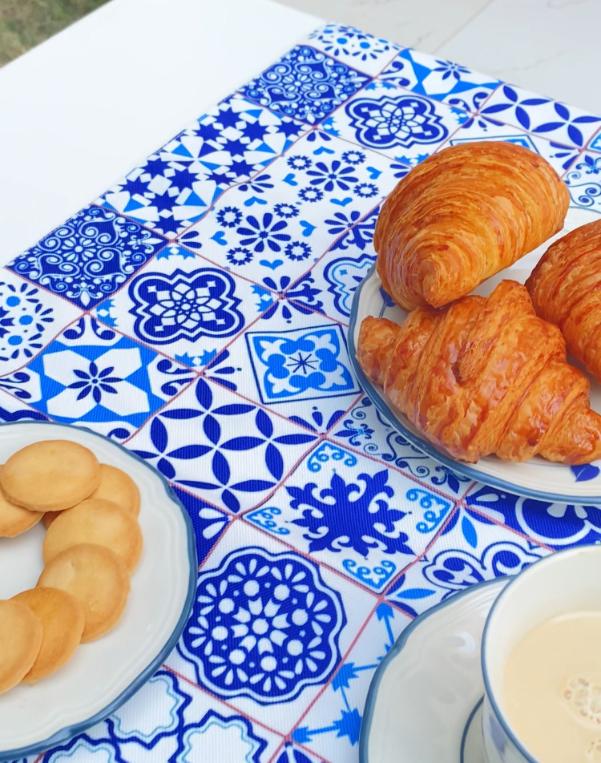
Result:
[
  {"x": 462, "y": 215},
  {"x": 565, "y": 288},
  {"x": 484, "y": 376}
]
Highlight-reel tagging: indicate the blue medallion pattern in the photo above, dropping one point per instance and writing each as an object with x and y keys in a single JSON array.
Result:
[
  {"x": 300, "y": 364},
  {"x": 402, "y": 121},
  {"x": 263, "y": 626},
  {"x": 198, "y": 312},
  {"x": 306, "y": 84},
  {"x": 89, "y": 256}
]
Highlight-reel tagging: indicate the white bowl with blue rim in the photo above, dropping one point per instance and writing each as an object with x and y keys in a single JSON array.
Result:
[
  {"x": 102, "y": 674},
  {"x": 536, "y": 478}
]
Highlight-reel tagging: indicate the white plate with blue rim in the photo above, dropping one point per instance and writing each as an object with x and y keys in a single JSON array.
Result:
[
  {"x": 102, "y": 674},
  {"x": 536, "y": 478},
  {"x": 424, "y": 701}
]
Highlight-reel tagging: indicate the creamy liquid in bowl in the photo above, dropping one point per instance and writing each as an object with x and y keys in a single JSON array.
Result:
[{"x": 552, "y": 689}]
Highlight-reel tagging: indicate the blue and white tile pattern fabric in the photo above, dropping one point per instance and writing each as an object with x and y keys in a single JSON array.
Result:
[{"x": 197, "y": 312}]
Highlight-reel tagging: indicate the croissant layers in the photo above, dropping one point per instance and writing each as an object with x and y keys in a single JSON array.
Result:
[
  {"x": 484, "y": 376},
  {"x": 565, "y": 288},
  {"x": 462, "y": 215}
]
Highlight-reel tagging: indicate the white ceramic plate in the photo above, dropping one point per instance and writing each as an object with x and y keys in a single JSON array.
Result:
[
  {"x": 424, "y": 700},
  {"x": 106, "y": 672},
  {"x": 536, "y": 478}
]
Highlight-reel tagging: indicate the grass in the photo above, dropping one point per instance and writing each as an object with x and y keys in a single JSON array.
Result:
[{"x": 25, "y": 23}]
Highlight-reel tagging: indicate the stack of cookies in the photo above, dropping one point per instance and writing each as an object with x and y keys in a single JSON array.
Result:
[{"x": 92, "y": 545}]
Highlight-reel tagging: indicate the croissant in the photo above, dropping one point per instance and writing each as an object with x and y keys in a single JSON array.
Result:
[
  {"x": 462, "y": 215},
  {"x": 565, "y": 288},
  {"x": 484, "y": 376}
]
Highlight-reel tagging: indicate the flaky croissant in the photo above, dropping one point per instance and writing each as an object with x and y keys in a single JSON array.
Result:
[
  {"x": 565, "y": 288},
  {"x": 484, "y": 376},
  {"x": 462, "y": 215}
]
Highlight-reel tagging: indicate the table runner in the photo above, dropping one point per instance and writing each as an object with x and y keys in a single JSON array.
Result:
[{"x": 197, "y": 313}]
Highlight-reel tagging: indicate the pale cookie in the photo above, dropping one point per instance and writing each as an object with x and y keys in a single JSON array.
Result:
[
  {"x": 63, "y": 620},
  {"x": 14, "y": 519},
  {"x": 116, "y": 486},
  {"x": 97, "y": 578},
  {"x": 20, "y": 641},
  {"x": 95, "y": 521},
  {"x": 51, "y": 475}
]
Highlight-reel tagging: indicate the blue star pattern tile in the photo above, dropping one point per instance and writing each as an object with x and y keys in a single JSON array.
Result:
[
  {"x": 93, "y": 376},
  {"x": 556, "y": 525},
  {"x": 333, "y": 724},
  {"x": 541, "y": 116},
  {"x": 268, "y": 627},
  {"x": 470, "y": 549},
  {"x": 561, "y": 157},
  {"x": 184, "y": 724},
  {"x": 331, "y": 284},
  {"x": 404, "y": 126},
  {"x": 358, "y": 516},
  {"x": 584, "y": 182},
  {"x": 29, "y": 318},
  {"x": 88, "y": 257},
  {"x": 210, "y": 455},
  {"x": 439, "y": 79},
  {"x": 287, "y": 217},
  {"x": 179, "y": 182},
  {"x": 363, "y": 51},
  {"x": 301, "y": 373},
  {"x": 184, "y": 306},
  {"x": 305, "y": 84},
  {"x": 364, "y": 429}
]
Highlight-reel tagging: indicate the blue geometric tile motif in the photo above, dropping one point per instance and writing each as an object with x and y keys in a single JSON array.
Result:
[
  {"x": 89, "y": 256},
  {"x": 300, "y": 364},
  {"x": 208, "y": 522},
  {"x": 293, "y": 641},
  {"x": 354, "y": 47},
  {"x": 595, "y": 144},
  {"x": 13, "y": 410},
  {"x": 305, "y": 84},
  {"x": 177, "y": 184},
  {"x": 584, "y": 182},
  {"x": 94, "y": 376}
]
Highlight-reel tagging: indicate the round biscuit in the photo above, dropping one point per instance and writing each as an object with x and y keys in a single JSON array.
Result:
[
  {"x": 14, "y": 519},
  {"x": 97, "y": 578},
  {"x": 50, "y": 475},
  {"x": 63, "y": 620},
  {"x": 95, "y": 521},
  {"x": 118, "y": 487},
  {"x": 20, "y": 641}
]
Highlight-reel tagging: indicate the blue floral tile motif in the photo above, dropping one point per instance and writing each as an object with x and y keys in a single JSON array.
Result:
[
  {"x": 404, "y": 126},
  {"x": 208, "y": 522},
  {"x": 541, "y": 116},
  {"x": 305, "y": 84},
  {"x": 439, "y": 79},
  {"x": 300, "y": 364},
  {"x": 358, "y": 516},
  {"x": 331, "y": 284},
  {"x": 293, "y": 754},
  {"x": 282, "y": 221},
  {"x": 333, "y": 724},
  {"x": 184, "y": 725},
  {"x": 560, "y": 156},
  {"x": 11, "y": 409},
  {"x": 94, "y": 376},
  {"x": 263, "y": 626},
  {"x": 184, "y": 306},
  {"x": 553, "y": 524},
  {"x": 177, "y": 184},
  {"x": 29, "y": 317},
  {"x": 204, "y": 441},
  {"x": 365, "y": 430},
  {"x": 354, "y": 47},
  {"x": 470, "y": 549},
  {"x": 584, "y": 182}
]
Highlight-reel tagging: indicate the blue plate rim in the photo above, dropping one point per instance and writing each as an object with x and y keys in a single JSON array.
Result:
[
  {"x": 68, "y": 732},
  {"x": 426, "y": 447},
  {"x": 374, "y": 686}
]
